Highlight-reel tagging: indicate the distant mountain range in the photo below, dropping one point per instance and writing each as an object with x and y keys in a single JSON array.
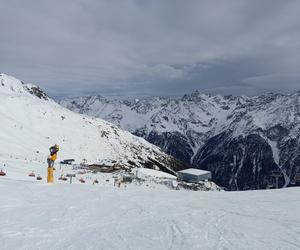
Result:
[{"x": 242, "y": 140}]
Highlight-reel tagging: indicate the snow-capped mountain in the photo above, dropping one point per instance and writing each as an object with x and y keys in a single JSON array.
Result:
[
  {"x": 242, "y": 140},
  {"x": 35, "y": 215},
  {"x": 31, "y": 122}
]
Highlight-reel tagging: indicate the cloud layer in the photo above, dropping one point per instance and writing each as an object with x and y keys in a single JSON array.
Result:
[{"x": 139, "y": 47}]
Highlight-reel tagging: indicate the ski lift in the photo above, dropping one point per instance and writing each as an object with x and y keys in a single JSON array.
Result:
[
  {"x": 32, "y": 174},
  {"x": 2, "y": 173},
  {"x": 70, "y": 176},
  {"x": 82, "y": 180},
  {"x": 63, "y": 178},
  {"x": 39, "y": 178}
]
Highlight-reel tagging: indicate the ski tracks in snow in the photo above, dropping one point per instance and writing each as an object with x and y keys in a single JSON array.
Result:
[
  {"x": 177, "y": 236},
  {"x": 89, "y": 217}
]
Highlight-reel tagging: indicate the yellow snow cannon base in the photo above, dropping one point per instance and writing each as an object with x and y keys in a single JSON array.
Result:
[{"x": 50, "y": 177}]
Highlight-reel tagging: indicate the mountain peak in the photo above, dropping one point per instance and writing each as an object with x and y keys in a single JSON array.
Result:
[
  {"x": 9, "y": 84},
  {"x": 193, "y": 127},
  {"x": 195, "y": 96},
  {"x": 12, "y": 85}
]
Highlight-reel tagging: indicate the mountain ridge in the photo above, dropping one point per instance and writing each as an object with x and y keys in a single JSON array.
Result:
[
  {"x": 31, "y": 122},
  {"x": 267, "y": 125}
]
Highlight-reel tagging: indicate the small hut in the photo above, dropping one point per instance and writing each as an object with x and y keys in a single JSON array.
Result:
[{"x": 194, "y": 175}]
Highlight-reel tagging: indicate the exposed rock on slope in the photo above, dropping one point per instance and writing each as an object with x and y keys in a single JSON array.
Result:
[
  {"x": 31, "y": 122},
  {"x": 242, "y": 140}
]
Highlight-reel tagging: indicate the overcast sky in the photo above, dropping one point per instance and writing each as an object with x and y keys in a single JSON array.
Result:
[{"x": 152, "y": 47}]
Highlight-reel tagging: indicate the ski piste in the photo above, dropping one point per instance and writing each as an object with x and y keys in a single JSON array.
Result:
[{"x": 36, "y": 215}]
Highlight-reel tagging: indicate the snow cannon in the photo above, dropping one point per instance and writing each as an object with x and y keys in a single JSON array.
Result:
[
  {"x": 39, "y": 178},
  {"x": 82, "y": 180},
  {"x": 50, "y": 176},
  {"x": 32, "y": 174},
  {"x": 96, "y": 181},
  {"x": 2, "y": 173}
]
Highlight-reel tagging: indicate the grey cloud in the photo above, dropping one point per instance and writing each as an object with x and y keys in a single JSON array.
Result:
[
  {"x": 144, "y": 47},
  {"x": 281, "y": 82}
]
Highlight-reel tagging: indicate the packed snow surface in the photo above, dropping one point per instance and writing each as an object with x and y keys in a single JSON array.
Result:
[
  {"x": 36, "y": 215},
  {"x": 151, "y": 173}
]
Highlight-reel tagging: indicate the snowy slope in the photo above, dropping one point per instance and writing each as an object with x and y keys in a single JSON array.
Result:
[
  {"x": 31, "y": 123},
  {"x": 36, "y": 215},
  {"x": 40, "y": 216},
  {"x": 267, "y": 126}
]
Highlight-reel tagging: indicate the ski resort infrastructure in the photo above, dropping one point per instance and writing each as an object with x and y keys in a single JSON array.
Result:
[{"x": 142, "y": 213}]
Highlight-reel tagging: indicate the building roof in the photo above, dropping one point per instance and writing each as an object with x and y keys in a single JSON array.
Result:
[{"x": 194, "y": 171}]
